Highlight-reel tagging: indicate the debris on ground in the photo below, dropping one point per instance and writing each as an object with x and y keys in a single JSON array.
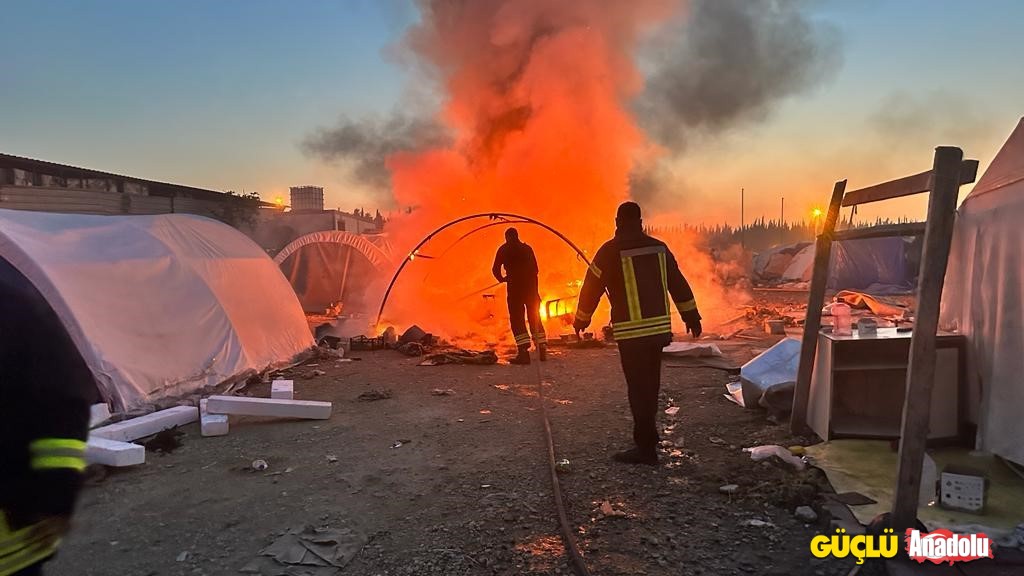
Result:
[
  {"x": 318, "y": 551},
  {"x": 259, "y": 465},
  {"x": 374, "y": 395},
  {"x": 691, "y": 350},
  {"x": 442, "y": 392},
  {"x": 165, "y": 441},
  {"x": 759, "y": 453},
  {"x": 757, "y": 523},
  {"x": 563, "y": 466},
  {"x": 805, "y": 514},
  {"x": 461, "y": 356},
  {"x": 776, "y": 366},
  {"x": 728, "y": 488},
  {"x": 411, "y": 349},
  {"x": 314, "y": 374},
  {"x": 606, "y": 510},
  {"x": 400, "y": 443}
]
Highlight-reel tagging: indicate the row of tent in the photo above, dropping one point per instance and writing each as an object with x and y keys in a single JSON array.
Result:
[{"x": 873, "y": 265}]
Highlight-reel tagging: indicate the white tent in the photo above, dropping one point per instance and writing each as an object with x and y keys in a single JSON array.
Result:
[
  {"x": 158, "y": 306},
  {"x": 984, "y": 298}
]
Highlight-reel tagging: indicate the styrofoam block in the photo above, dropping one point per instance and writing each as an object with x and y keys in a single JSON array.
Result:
[
  {"x": 113, "y": 453},
  {"x": 98, "y": 414},
  {"x": 280, "y": 408},
  {"x": 282, "y": 389},
  {"x": 211, "y": 424},
  {"x": 128, "y": 430}
]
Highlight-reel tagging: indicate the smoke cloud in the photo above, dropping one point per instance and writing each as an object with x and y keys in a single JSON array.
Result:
[
  {"x": 365, "y": 144},
  {"x": 734, "y": 60}
]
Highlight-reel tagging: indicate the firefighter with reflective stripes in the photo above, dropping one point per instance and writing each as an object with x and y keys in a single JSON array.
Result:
[
  {"x": 520, "y": 266},
  {"x": 641, "y": 276},
  {"x": 45, "y": 393}
]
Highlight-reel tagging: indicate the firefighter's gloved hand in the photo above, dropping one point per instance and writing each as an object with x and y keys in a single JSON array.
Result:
[
  {"x": 579, "y": 326},
  {"x": 693, "y": 327}
]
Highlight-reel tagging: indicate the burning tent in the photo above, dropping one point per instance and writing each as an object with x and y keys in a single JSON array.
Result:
[{"x": 158, "y": 306}]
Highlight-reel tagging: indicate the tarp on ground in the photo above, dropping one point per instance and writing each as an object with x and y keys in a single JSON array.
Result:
[
  {"x": 984, "y": 298},
  {"x": 158, "y": 306},
  {"x": 858, "y": 264}
]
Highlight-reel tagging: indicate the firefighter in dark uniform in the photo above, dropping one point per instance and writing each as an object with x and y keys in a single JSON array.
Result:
[
  {"x": 45, "y": 393},
  {"x": 520, "y": 265},
  {"x": 640, "y": 274}
]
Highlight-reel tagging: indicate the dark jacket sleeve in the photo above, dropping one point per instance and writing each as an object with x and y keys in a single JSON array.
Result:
[
  {"x": 681, "y": 292},
  {"x": 55, "y": 391},
  {"x": 499, "y": 261},
  {"x": 593, "y": 287},
  {"x": 532, "y": 267}
]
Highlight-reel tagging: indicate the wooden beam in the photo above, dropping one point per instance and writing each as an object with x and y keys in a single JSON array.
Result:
[
  {"x": 907, "y": 186},
  {"x": 883, "y": 231},
  {"x": 819, "y": 282},
  {"x": 921, "y": 371}
]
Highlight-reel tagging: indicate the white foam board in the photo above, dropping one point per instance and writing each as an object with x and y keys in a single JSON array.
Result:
[
  {"x": 282, "y": 389},
  {"x": 128, "y": 430},
  {"x": 211, "y": 424},
  {"x": 280, "y": 408},
  {"x": 113, "y": 453}
]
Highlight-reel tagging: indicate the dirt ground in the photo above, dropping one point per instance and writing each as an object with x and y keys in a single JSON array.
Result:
[{"x": 467, "y": 490}]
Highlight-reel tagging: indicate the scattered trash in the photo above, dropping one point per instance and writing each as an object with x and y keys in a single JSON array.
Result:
[
  {"x": 442, "y": 392},
  {"x": 797, "y": 450},
  {"x": 805, "y": 514},
  {"x": 320, "y": 552},
  {"x": 374, "y": 395},
  {"x": 609, "y": 512},
  {"x": 461, "y": 420},
  {"x": 411, "y": 349},
  {"x": 416, "y": 335},
  {"x": 775, "y": 366},
  {"x": 165, "y": 441},
  {"x": 759, "y": 453},
  {"x": 328, "y": 341},
  {"x": 715, "y": 440},
  {"x": 775, "y": 327},
  {"x": 400, "y": 443},
  {"x": 757, "y": 523},
  {"x": 734, "y": 393},
  {"x": 330, "y": 458},
  {"x": 259, "y": 465},
  {"x": 563, "y": 466},
  {"x": 485, "y": 411},
  {"x": 485, "y": 486},
  {"x": 459, "y": 356},
  {"x": 314, "y": 374},
  {"x": 691, "y": 350},
  {"x": 729, "y": 489},
  {"x": 364, "y": 343},
  {"x": 672, "y": 410},
  {"x": 183, "y": 557}
]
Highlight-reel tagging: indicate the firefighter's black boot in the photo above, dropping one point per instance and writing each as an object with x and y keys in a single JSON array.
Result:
[
  {"x": 542, "y": 352},
  {"x": 523, "y": 357}
]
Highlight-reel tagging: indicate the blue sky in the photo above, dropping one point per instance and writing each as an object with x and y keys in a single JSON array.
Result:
[{"x": 218, "y": 94}]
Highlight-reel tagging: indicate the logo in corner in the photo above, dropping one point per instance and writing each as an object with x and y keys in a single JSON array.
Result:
[{"x": 944, "y": 546}]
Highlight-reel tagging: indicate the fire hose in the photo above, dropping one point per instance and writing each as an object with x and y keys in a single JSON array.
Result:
[{"x": 568, "y": 538}]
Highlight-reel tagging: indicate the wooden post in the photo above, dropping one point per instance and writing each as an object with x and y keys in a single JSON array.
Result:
[
  {"x": 921, "y": 370},
  {"x": 812, "y": 324}
]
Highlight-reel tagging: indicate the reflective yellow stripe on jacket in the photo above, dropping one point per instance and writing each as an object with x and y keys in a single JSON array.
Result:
[
  {"x": 22, "y": 548},
  {"x": 57, "y": 453}
]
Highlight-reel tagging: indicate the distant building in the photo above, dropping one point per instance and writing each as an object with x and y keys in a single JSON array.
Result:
[
  {"x": 307, "y": 198},
  {"x": 28, "y": 184}
]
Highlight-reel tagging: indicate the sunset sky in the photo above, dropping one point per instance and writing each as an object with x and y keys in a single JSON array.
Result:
[{"x": 221, "y": 94}]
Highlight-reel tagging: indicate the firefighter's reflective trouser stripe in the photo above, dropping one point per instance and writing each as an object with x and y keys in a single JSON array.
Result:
[
  {"x": 637, "y": 326},
  {"x": 55, "y": 453},
  {"x": 22, "y": 548},
  {"x": 522, "y": 311}
]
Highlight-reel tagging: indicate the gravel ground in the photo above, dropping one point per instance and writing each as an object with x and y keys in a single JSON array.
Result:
[{"x": 467, "y": 490}]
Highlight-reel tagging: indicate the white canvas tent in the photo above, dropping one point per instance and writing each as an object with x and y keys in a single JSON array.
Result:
[
  {"x": 158, "y": 306},
  {"x": 984, "y": 298}
]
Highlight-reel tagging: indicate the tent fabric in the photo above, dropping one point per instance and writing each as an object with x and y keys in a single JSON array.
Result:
[
  {"x": 857, "y": 264},
  {"x": 158, "y": 306},
  {"x": 983, "y": 298}
]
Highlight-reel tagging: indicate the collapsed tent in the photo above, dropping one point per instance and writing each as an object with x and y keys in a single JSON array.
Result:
[
  {"x": 984, "y": 298},
  {"x": 158, "y": 306},
  {"x": 878, "y": 265},
  {"x": 333, "y": 266}
]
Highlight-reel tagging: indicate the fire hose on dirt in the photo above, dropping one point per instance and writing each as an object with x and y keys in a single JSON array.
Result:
[{"x": 498, "y": 218}]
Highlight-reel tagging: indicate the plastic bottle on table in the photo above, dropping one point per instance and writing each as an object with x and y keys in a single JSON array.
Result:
[{"x": 841, "y": 316}]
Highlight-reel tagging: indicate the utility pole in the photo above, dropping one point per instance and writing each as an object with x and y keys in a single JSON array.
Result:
[
  {"x": 743, "y": 225},
  {"x": 782, "y": 221}
]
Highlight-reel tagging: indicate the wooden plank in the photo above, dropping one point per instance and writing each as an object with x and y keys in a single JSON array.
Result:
[
  {"x": 907, "y": 186},
  {"x": 815, "y": 300},
  {"x": 921, "y": 373},
  {"x": 883, "y": 231}
]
